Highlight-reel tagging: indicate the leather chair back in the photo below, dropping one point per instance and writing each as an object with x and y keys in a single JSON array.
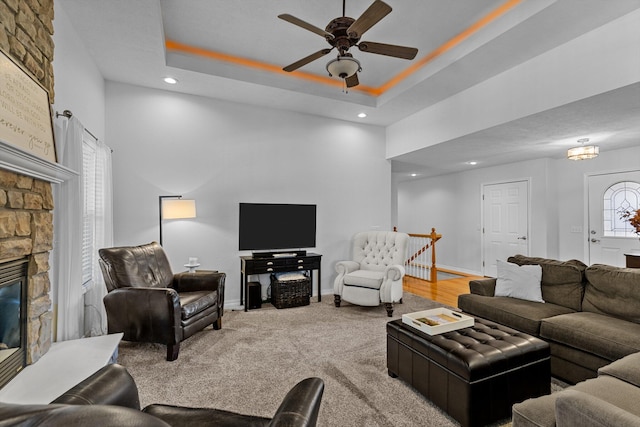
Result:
[{"x": 135, "y": 266}]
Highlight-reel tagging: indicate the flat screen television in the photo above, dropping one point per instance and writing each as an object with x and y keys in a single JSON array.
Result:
[{"x": 272, "y": 226}]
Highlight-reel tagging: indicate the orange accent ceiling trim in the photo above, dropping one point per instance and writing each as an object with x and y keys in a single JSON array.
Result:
[
  {"x": 373, "y": 91},
  {"x": 251, "y": 63},
  {"x": 450, "y": 44}
]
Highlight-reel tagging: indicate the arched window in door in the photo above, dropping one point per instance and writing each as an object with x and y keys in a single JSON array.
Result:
[{"x": 618, "y": 198}]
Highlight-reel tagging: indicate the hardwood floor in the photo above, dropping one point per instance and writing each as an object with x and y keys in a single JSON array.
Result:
[{"x": 443, "y": 291}]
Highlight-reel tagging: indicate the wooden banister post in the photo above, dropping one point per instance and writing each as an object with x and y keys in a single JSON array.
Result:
[{"x": 434, "y": 271}]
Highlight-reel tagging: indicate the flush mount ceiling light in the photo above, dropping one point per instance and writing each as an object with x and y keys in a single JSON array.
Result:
[
  {"x": 170, "y": 80},
  {"x": 583, "y": 152},
  {"x": 362, "y": 115}
]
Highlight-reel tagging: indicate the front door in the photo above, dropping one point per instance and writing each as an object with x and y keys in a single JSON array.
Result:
[
  {"x": 609, "y": 237},
  {"x": 505, "y": 223}
]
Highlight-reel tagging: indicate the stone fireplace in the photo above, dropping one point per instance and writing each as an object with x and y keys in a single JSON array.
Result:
[
  {"x": 26, "y": 201},
  {"x": 26, "y": 231}
]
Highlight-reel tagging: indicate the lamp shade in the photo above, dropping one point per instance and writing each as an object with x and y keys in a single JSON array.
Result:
[
  {"x": 583, "y": 152},
  {"x": 343, "y": 66},
  {"x": 178, "y": 209}
]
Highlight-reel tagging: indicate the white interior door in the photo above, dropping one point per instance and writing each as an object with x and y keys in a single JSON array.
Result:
[
  {"x": 607, "y": 241},
  {"x": 505, "y": 223}
]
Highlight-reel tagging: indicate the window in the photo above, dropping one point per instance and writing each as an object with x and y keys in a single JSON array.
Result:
[
  {"x": 618, "y": 198},
  {"x": 89, "y": 171}
]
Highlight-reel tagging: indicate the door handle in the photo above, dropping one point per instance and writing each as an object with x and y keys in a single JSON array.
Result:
[
  {"x": 522, "y": 238},
  {"x": 595, "y": 240}
]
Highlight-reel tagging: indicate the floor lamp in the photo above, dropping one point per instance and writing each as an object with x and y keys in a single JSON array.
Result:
[{"x": 175, "y": 208}]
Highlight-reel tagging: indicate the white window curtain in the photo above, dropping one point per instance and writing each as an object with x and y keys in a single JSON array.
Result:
[
  {"x": 67, "y": 292},
  {"x": 83, "y": 223}
]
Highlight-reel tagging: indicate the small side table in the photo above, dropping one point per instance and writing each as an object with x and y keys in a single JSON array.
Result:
[
  {"x": 633, "y": 260},
  {"x": 192, "y": 267}
]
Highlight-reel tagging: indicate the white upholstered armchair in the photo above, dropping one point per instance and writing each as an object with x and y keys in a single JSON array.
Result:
[{"x": 374, "y": 275}]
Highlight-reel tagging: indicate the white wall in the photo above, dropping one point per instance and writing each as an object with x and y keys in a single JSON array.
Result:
[
  {"x": 79, "y": 86},
  {"x": 452, "y": 204},
  {"x": 220, "y": 154}
]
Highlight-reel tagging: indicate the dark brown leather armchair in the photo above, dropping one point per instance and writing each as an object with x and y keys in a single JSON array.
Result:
[
  {"x": 148, "y": 303},
  {"x": 109, "y": 398}
]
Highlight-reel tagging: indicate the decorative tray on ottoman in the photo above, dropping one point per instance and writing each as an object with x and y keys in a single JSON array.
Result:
[{"x": 437, "y": 320}]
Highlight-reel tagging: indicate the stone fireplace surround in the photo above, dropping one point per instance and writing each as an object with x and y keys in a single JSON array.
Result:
[
  {"x": 26, "y": 202},
  {"x": 26, "y": 230}
]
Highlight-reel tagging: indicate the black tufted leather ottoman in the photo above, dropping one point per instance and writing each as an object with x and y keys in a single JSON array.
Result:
[{"x": 474, "y": 374}]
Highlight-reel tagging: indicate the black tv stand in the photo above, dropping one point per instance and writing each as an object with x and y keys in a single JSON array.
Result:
[
  {"x": 279, "y": 254},
  {"x": 256, "y": 264}
]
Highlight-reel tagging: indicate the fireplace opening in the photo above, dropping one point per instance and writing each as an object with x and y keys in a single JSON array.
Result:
[{"x": 13, "y": 324}]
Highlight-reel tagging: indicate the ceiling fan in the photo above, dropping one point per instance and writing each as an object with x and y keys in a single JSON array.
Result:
[{"x": 343, "y": 33}]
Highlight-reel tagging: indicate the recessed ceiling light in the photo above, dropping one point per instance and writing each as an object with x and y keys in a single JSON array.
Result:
[
  {"x": 170, "y": 80},
  {"x": 362, "y": 115},
  {"x": 472, "y": 163},
  {"x": 414, "y": 174}
]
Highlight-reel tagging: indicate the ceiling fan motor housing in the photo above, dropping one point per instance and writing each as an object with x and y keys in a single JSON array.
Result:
[{"x": 341, "y": 40}]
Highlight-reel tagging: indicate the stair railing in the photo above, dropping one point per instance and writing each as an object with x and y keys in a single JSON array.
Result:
[{"x": 418, "y": 263}]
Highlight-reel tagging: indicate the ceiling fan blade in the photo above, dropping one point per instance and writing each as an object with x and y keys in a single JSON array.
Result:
[
  {"x": 368, "y": 19},
  {"x": 306, "y": 60},
  {"x": 300, "y": 23},
  {"x": 352, "y": 81},
  {"x": 396, "y": 51}
]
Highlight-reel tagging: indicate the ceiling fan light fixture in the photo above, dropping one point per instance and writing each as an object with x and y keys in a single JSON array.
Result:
[
  {"x": 583, "y": 152},
  {"x": 343, "y": 67}
]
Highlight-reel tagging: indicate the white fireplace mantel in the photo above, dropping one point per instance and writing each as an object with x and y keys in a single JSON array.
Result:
[{"x": 19, "y": 161}]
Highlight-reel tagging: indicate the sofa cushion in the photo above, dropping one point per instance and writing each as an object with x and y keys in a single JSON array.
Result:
[
  {"x": 562, "y": 281},
  {"x": 365, "y": 279},
  {"x": 519, "y": 314},
  {"x": 193, "y": 303},
  {"x": 613, "y": 291},
  {"x": 575, "y": 408},
  {"x": 625, "y": 369},
  {"x": 540, "y": 411},
  {"x": 604, "y": 336},
  {"x": 515, "y": 281}
]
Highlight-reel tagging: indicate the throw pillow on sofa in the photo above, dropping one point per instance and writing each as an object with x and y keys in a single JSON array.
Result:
[
  {"x": 562, "y": 281},
  {"x": 522, "y": 282}
]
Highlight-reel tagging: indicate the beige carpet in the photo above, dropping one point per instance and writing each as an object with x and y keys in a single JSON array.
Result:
[{"x": 250, "y": 364}]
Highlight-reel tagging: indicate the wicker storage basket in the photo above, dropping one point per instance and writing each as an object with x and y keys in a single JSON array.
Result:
[{"x": 290, "y": 293}]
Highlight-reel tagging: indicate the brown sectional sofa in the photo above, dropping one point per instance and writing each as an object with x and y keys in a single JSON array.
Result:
[
  {"x": 610, "y": 400},
  {"x": 591, "y": 320},
  {"x": 590, "y": 317}
]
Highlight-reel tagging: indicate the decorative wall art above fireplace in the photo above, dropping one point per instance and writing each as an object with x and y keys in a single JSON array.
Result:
[{"x": 25, "y": 111}]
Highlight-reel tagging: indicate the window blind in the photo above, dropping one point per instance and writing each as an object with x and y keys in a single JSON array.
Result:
[{"x": 89, "y": 172}]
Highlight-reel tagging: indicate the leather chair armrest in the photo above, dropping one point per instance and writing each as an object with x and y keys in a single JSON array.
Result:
[
  {"x": 301, "y": 405},
  {"x": 145, "y": 314},
  {"x": 179, "y": 416},
  {"x": 299, "y": 408},
  {"x": 485, "y": 287},
  {"x": 110, "y": 385},
  {"x": 346, "y": 267},
  {"x": 198, "y": 281}
]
